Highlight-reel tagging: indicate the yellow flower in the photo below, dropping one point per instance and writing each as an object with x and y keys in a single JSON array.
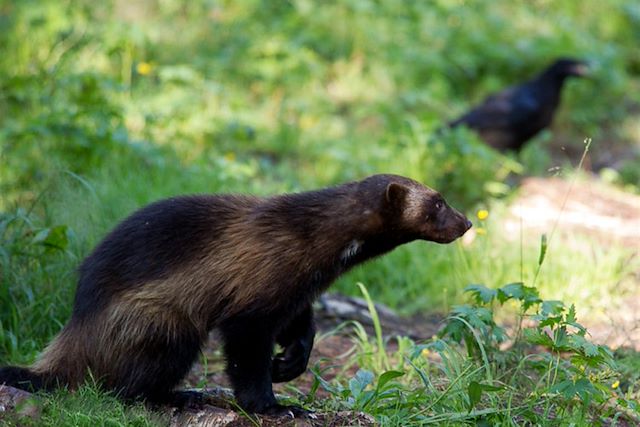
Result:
[
  {"x": 144, "y": 68},
  {"x": 483, "y": 214},
  {"x": 425, "y": 352},
  {"x": 615, "y": 384},
  {"x": 307, "y": 121},
  {"x": 481, "y": 231}
]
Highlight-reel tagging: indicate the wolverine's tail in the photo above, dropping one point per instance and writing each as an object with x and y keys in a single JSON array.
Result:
[{"x": 24, "y": 379}]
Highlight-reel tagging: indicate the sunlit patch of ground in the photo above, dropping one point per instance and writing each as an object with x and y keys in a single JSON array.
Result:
[{"x": 582, "y": 207}]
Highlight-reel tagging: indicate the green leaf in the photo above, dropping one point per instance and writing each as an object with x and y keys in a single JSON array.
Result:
[
  {"x": 552, "y": 307},
  {"x": 561, "y": 340},
  {"x": 324, "y": 383},
  {"x": 388, "y": 376},
  {"x": 475, "y": 390},
  {"x": 564, "y": 387},
  {"x": 512, "y": 290},
  {"x": 54, "y": 238},
  {"x": 538, "y": 337},
  {"x": 571, "y": 315},
  {"x": 550, "y": 321},
  {"x": 584, "y": 388},
  {"x": 531, "y": 297},
  {"x": 475, "y": 394},
  {"x": 590, "y": 350},
  {"x": 365, "y": 398},
  {"x": 543, "y": 248},
  {"x": 481, "y": 293},
  {"x": 360, "y": 381}
]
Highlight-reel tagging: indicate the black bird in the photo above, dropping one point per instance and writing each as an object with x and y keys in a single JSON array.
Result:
[{"x": 508, "y": 119}]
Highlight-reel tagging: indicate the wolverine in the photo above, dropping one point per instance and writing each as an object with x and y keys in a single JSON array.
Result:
[{"x": 250, "y": 267}]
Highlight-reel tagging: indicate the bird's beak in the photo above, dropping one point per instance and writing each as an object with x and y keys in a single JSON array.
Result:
[{"x": 581, "y": 70}]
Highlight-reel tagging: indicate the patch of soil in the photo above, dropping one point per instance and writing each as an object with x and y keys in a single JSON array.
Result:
[
  {"x": 622, "y": 328},
  {"x": 581, "y": 207},
  {"x": 215, "y": 408}
]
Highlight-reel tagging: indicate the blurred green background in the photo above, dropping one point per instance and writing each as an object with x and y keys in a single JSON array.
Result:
[{"x": 106, "y": 106}]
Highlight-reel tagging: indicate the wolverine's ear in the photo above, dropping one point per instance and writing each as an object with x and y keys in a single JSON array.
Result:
[{"x": 396, "y": 194}]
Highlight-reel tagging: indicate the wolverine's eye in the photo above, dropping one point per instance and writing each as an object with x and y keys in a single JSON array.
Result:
[{"x": 439, "y": 205}]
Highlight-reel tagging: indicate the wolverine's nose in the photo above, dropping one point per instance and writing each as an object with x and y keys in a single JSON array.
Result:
[{"x": 468, "y": 224}]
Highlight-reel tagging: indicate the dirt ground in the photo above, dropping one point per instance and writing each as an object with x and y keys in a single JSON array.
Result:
[{"x": 577, "y": 207}]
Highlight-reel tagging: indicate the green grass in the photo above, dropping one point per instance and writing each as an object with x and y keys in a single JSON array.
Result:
[
  {"x": 437, "y": 383},
  {"x": 86, "y": 407},
  {"x": 104, "y": 108}
]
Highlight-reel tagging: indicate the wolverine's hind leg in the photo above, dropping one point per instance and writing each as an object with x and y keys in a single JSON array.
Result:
[
  {"x": 152, "y": 362},
  {"x": 248, "y": 345}
]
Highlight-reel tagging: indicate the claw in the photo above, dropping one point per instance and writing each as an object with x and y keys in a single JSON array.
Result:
[{"x": 288, "y": 411}]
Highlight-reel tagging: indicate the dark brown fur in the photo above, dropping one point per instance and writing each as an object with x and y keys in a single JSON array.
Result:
[{"x": 152, "y": 290}]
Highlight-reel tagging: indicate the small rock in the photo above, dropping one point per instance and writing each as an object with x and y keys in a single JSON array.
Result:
[{"x": 18, "y": 402}]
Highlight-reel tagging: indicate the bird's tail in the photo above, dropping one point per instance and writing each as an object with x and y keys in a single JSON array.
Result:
[{"x": 25, "y": 379}]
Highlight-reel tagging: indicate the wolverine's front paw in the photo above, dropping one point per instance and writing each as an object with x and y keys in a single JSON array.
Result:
[
  {"x": 285, "y": 369},
  {"x": 290, "y": 364}
]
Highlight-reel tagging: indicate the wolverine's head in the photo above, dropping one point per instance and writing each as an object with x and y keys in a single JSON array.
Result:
[{"x": 415, "y": 210}]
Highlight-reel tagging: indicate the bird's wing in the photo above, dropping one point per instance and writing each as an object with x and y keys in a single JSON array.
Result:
[{"x": 507, "y": 109}]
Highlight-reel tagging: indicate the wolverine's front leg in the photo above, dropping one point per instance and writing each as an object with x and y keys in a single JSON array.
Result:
[
  {"x": 297, "y": 340},
  {"x": 248, "y": 346}
]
